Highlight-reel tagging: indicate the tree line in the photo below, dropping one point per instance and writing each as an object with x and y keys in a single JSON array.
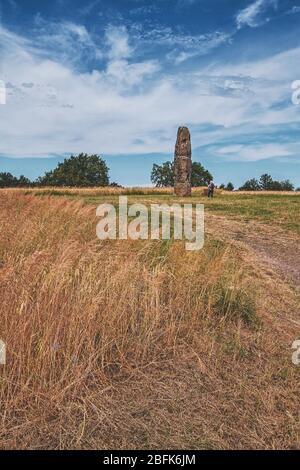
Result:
[
  {"x": 86, "y": 170},
  {"x": 266, "y": 183},
  {"x": 163, "y": 176}
]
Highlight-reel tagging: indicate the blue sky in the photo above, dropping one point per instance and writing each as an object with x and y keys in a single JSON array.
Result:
[{"x": 117, "y": 77}]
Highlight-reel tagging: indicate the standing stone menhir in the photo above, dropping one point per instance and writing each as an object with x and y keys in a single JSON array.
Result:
[{"x": 183, "y": 163}]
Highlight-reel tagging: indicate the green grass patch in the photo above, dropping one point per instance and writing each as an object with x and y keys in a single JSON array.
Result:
[{"x": 236, "y": 303}]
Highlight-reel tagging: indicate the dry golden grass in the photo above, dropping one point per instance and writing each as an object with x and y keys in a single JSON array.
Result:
[
  {"x": 123, "y": 344},
  {"x": 145, "y": 191},
  {"x": 101, "y": 191}
]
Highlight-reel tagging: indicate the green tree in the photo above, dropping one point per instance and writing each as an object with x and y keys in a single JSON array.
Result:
[
  {"x": 7, "y": 180},
  {"x": 163, "y": 175},
  {"x": 200, "y": 176},
  {"x": 81, "y": 171},
  {"x": 287, "y": 185},
  {"x": 229, "y": 187},
  {"x": 250, "y": 185},
  {"x": 266, "y": 182},
  {"x": 275, "y": 186},
  {"x": 24, "y": 182}
]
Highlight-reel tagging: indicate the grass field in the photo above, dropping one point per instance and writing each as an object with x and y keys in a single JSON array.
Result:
[
  {"x": 141, "y": 344},
  {"x": 281, "y": 209}
]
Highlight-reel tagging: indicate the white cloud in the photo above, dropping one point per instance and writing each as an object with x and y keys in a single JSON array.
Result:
[
  {"x": 118, "y": 42},
  {"x": 119, "y": 71},
  {"x": 130, "y": 105},
  {"x": 253, "y": 14},
  {"x": 255, "y": 152},
  {"x": 2, "y": 92},
  {"x": 230, "y": 149},
  {"x": 130, "y": 74}
]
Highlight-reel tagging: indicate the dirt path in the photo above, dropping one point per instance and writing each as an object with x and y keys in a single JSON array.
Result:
[{"x": 273, "y": 247}]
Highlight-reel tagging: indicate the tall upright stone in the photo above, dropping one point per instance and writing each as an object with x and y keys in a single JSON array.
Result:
[{"x": 183, "y": 163}]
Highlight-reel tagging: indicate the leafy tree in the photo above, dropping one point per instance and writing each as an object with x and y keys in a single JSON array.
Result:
[
  {"x": 163, "y": 175},
  {"x": 229, "y": 187},
  {"x": 7, "y": 180},
  {"x": 281, "y": 186},
  {"x": 200, "y": 176},
  {"x": 266, "y": 182},
  {"x": 81, "y": 171},
  {"x": 222, "y": 186},
  {"x": 275, "y": 186},
  {"x": 24, "y": 182},
  {"x": 287, "y": 185},
  {"x": 250, "y": 185}
]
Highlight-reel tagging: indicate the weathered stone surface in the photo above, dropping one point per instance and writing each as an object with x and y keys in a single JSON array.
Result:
[{"x": 183, "y": 163}]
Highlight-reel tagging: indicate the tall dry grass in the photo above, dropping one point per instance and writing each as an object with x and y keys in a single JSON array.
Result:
[
  {"x": 122, "y": 344},
  {"x": 100, "y": 191},
  {"x": 137, "y": 191}
]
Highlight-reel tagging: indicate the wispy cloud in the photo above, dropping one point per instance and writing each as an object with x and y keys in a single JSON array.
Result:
[
  {"x": 294, "y": 10},
  {"x": 192, "y": 46},
  {"x": 254, "y": 152},
  {"x": 254, "y": 14},
  {"x": 180, "y": 46},
  {"x": 144, "y": 10},
  {"x": 89, "y": 7},
  {"x": 65, "y": 41}
]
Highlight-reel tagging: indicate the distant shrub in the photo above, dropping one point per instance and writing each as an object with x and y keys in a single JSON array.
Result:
[{"x": 229, "y": 187}]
